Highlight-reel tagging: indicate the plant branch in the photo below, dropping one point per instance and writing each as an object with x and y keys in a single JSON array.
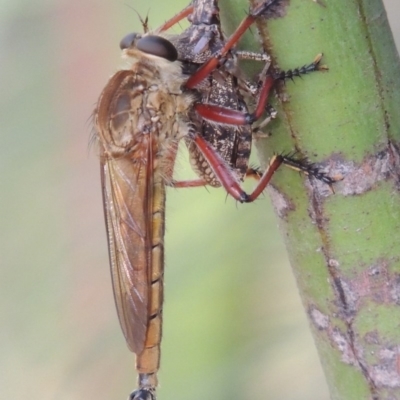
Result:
[{"x": 343, "y": 246}]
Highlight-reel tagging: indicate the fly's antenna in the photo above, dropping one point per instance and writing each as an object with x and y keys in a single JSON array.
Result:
[{"x": 144, "y": 22}]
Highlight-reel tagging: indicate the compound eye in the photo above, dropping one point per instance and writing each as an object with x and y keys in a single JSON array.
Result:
[
  {"x": 157, "y": 46},
  {"x": 128, "y": 41}
]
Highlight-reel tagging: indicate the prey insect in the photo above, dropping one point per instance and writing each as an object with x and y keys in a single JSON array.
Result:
[
  {"x": 220, "y": 117},
  {"x": 141, "y": 116}
]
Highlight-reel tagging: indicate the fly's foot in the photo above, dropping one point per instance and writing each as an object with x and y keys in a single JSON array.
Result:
[{"x": 143, "y": 394}]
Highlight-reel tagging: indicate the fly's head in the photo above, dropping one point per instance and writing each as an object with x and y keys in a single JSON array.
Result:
[
  {"x": 158, "y": 58},
  {"x": 135, "y": 44},
  {"x": 145, "y": 102}
]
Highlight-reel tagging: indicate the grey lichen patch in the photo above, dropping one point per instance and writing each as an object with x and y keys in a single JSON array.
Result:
[
  {"x": 375, "y": 352},
  {"x": 339, "y": 340},
  {"x": 348, "y": 299},
  {"x": 318, "y": 188},
  {"x": 344, "y": 345},
  {"x": 345, "y": 298},
  {"x": 320, "y": 320},
  {"x": 281, "y": 203},
  {"x": 278, "y": 10},
  {"x": 395, "y": 290},
  {"x": 354, "y": 179},
  {"x": 384, "y": 370},
  {"x": 383, "y": 373}
]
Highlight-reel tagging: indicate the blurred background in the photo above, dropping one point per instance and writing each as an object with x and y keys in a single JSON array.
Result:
[{"x": 234, "y": 329}]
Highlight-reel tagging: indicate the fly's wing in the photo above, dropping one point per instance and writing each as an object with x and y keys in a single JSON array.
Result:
[
  {"x": 127, "y": 187},
  {"x": 127, "y": 183}
]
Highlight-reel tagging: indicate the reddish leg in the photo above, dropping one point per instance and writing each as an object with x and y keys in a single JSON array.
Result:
[
  {"x": 175, "y": 19},
  {"x": 188, "y": 183},
  {"x": 226, "y": 176},
  {"x": 235, "y": 117},
  {"x": 220, "y": 114},
  {"x": 213, "y": 62},
  {"x": 229, "y": 181}
]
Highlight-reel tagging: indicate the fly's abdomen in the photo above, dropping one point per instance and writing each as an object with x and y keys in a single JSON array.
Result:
[{"x": 148, "y": 362}]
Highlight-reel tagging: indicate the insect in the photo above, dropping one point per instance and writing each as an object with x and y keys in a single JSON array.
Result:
[
  {"x": 224, "y": 90},
  {"x": 141, "y": 116}
]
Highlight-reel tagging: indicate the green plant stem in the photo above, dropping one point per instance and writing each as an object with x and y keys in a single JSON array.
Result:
[{"x": 344, "y": 246}]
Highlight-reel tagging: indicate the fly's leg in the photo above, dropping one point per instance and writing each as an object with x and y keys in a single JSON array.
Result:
[
  {"x": 189, "y": 183},
  {"x": 142, "y": 394}
]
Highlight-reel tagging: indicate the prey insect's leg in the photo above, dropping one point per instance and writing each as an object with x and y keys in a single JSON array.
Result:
[
  {"x": 231, "y": 184},
  {"x": 236, "y": 117},
  {"x": 175, "y": 19},
  {"x": 307, "y": 167},
  {"x": 298, "y": 72},
  {"x": 213, "y": 62},
  {"x": 251, "y": 55},
  {"x": 226, "y": 176}
]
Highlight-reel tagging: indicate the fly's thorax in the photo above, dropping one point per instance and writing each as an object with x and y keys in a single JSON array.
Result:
[
  {"x": 156, "y": 69},
  {"x": 141, "y": 104}
]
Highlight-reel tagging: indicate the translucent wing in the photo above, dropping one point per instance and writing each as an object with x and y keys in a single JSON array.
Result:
[
  {"x": 127, "y": 187},
  {"x": 127, "y": 169}
]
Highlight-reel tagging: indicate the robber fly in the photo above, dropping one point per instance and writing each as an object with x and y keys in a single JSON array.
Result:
[{"x": 141, "y": 115}]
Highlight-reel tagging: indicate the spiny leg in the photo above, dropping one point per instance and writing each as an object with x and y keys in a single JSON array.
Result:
[
  {"x": 142, "y": 394},
  {"x": 230, "y": 182},
  {"x": 175, "y": 19},
  {"x": 236, "y": 117},
  {"x": 209, "y": 66}
]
